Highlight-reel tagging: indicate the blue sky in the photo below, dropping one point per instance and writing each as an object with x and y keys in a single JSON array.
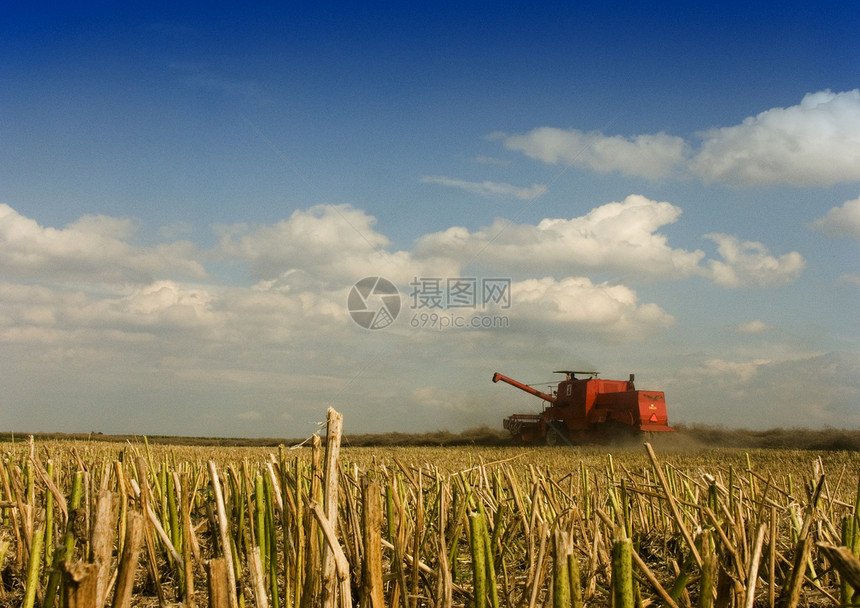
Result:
[{"x": 188, "y": 192}]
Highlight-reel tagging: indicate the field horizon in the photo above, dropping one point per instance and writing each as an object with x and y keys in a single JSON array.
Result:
[{"x": 693, "y": 436}]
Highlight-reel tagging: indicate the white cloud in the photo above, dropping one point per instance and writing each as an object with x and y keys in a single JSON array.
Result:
[
  {"x": 577, "y": 304},
  {"x": 163, "y": 304},
  {"x": 93, "y": 248},
  {"x": 488, "y": 189},
  {"x": 849, "y": 279},
  {"x": 650, "y": 156},
  {"x": 749, "y": 263},
  {"x": 336, "y": 244},
  {"x": 619, "y": 237},
  {"x": 811, "y": 391},
  {"x": 104, "y": 226},
  {"x": 841, "y": 221},
  {"x": 814, "y": 143},
  {"x": 752, "y": 327},
  {"x": 163, "y": 310},
  {"x": 616, "y": 237},
  {"x": 729, "y": 372}
]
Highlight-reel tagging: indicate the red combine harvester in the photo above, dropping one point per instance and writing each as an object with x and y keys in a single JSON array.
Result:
[{"x": 589, "y": 409}]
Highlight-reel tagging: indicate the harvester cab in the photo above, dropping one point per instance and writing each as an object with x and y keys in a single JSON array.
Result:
[{"x": 586, "y": 408}]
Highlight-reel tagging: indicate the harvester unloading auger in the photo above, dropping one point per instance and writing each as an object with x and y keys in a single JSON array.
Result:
[{"x": 588, "y": 409}]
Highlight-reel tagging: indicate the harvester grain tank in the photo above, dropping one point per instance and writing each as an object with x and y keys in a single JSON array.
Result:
[{"x": 587, "y": 409}]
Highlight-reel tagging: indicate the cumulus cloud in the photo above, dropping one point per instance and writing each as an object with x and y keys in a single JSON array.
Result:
[
  {"x": 612, "y": 311},
  {"x": 93, "y": 248},
  {"x": 650, "y": 156},
  {"x": 619, "y": 236},
  {"x": 169, "y": 315},
  {"x": 147, "y": 312},
  {"x": 747, "y": 263},
  {"x": 162, "y": 304},
  {"x": 814, "y": 143},
  {"x": 488, "y": 189},
  {"x": 336, "y": 244},
  {"x": 841, "y": 221}
]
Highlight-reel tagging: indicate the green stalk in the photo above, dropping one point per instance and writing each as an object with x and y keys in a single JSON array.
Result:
[
  {"x": 561, "y": 583},
  {"x": 33, "y": 569},
  {"x": 175, "y": 531},
  {"x": 163, "y": 513},
  {"x": 286, "y": 511},
  {"x": 708, "y": 580},
  {"x": 68, "y": 549},
  {"x": 479, "y": 568},
  {"x": 49, "y": 517},
  {"x": 682, "y": 579},
  {"x": 625, "y": 509},
  {"x": 489, "y": 559},
  {"x": 299, "y": 579},
  {"x": 237, "y": 499},
  {"x": 123, "y": 505},
  {"x": 857, "y": 500},
  {"x": 501, "y": 510},
  {"x": 575, "y": 581},
  {"x": 622, "y": 573},
  {"x": 30, "y": 481},
  {"x": 389, "y": 512},
  {"x": 586, "y": 494},
  {"x": 159, "y": 490},
  {"x": 173, "y": 513},
  {"x": 260, "y": 520},
  {"x": 458, "y": 506},
  {"x": 713, "y": 498},
  {"x": 272, "y": 540}
]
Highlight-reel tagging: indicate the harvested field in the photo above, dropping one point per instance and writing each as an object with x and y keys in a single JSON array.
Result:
[{"x": 133, "y": 524}]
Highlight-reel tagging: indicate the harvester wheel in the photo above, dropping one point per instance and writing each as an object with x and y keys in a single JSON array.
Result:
[{"x": 555, "y": 433}]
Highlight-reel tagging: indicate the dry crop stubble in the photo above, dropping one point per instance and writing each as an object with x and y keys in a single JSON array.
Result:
[{"x": 506, "y": 526}]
